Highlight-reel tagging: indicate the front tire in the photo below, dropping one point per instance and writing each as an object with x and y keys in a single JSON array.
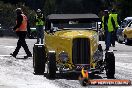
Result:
[
  {"x": 39, "y": 59},
  {"x": 51, "y": 65},
  {"x": 110, "y": 65}
]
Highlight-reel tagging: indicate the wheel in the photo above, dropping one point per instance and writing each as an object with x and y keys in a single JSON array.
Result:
[
  {"x": 127, "y": 41},
  {"x": 39, "y": 59},
  {"x": 110, "y": 64},
  {"x": 33, "y": 56},
  {"x": 1, "y": 33},
  {"x": 51, "y": 65}
]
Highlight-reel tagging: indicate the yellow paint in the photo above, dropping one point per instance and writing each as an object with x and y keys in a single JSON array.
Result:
[
  {"x": 62, "y": 41},
  {"x": 128, "y": 32}
]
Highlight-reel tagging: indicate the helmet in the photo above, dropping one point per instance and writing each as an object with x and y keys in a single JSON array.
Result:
[
  {"x": 18, "y": 10},
  {"x": 106, "y": 11},
  {"x": 38, "y": 10},
  {"x": 113, "y": 10}
]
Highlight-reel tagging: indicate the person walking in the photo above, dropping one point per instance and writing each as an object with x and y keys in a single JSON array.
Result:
[
  {"x": 117, "y": 24},
  {"x": 21, "y": 31},
  {"x": 108, "y": 25},
  {"x": 39, "y": 21}
]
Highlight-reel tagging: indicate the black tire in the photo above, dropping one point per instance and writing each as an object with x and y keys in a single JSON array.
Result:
[
  {"x": 110, "y": 65},
  {"x": 51, "y": 65},
  {"x": 33, "y": 56},
  {"x": 1, "y": 33},
  {"x": 39, "y": 59}
]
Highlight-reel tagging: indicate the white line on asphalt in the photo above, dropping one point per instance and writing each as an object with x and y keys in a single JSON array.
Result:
[
  {"x": 5, "y": 46},
  {"x": 123, "y": 55},
  {"x": 121, "y": 87},
  {"x": 124, "y": 65},
  {"x": 10, "y": 55}
]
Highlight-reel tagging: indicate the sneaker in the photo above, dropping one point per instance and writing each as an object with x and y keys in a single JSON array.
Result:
[
  {"x": 28, "y": 56},
  {"x": 106, "y": 49},
  {"x": 12, "y": 55}
]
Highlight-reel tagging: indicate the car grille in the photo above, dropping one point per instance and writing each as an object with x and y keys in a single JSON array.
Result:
[{"x": 81, "y": 51}]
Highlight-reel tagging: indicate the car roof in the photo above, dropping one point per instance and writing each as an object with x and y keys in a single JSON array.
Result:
[
  {"x": 73, "y": 17},
  {"x": 128, "y": 18}
]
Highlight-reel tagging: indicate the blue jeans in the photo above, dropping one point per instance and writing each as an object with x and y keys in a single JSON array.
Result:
[
  {"x": 107, "y": 39},
  {"x": 40, "y": 34}
]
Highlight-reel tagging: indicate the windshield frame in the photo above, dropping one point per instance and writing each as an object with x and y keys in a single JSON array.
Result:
[{"x": 78, "y": 26}]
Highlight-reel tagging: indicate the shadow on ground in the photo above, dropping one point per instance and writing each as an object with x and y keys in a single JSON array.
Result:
[{"x": 73, "y": 76}]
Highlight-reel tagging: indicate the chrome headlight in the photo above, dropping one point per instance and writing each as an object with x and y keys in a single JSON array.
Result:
[{"x": 63, "y": 56}]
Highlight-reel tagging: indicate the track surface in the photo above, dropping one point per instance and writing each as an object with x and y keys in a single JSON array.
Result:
[{"x": 18, "y": 73}]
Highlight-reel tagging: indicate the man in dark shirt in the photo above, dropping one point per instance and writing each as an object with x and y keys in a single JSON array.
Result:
[{"x": 21, "y": 31}]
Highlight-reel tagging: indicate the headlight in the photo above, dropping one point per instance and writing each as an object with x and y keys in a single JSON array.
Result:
[{"x": 63, "y": 56}]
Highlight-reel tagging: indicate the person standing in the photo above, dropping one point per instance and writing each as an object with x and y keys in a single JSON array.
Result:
[
  {"x": 117, "y": 23},
  {"x": 21, "y": 31},
  {"x": 108, "y": 25},
  {"x": 39, "y": 21}
]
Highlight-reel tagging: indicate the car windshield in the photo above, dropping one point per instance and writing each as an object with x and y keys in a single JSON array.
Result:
[
  {"x": 75, "y": 25},
  {"x": 130, "y": 25},
  {"x": 125, "y": 23}
]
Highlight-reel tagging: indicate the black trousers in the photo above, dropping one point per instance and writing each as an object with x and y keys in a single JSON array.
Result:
[
  {"x": 113, "y": 37},
  {"x": 21, "y": 42}
]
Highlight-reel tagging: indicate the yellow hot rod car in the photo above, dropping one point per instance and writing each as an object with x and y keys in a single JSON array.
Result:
[{"x": 70, "y": 44}]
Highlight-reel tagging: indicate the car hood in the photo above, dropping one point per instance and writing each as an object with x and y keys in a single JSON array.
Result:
[
  {"x": 128, "y": 30},
  {"x": 76, "y": 33}
]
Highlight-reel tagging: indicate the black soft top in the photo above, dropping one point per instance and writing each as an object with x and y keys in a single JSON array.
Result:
[{"x": 73, "y": 17}]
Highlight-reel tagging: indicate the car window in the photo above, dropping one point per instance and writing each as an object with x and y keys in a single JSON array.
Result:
[
  {"x": 130, "y": 25},
  {"x": 75, "y": 25},
  {"x": 124, "y": 24}
]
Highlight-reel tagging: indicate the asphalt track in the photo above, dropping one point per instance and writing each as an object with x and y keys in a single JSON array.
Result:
[{"x": 18, "y": 73}]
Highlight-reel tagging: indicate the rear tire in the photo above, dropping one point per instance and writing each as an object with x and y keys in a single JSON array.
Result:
[
  {"x": 39, "y": 59},
  {"x": 51, "y": 65},
  {"x": 110, "y": 64}
]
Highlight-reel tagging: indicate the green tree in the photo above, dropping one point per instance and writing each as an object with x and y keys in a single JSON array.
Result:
[
  {"x": 8, "y": 14},
  {"x": 49, "y": 7},
  {"x": 71, "y": 6},
  {"x": 91, "y": 6},
  {"x": 123, "y": 7}
]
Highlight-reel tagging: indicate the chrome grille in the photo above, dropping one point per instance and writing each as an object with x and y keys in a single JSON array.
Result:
[{"x": 81, "y": 51}]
